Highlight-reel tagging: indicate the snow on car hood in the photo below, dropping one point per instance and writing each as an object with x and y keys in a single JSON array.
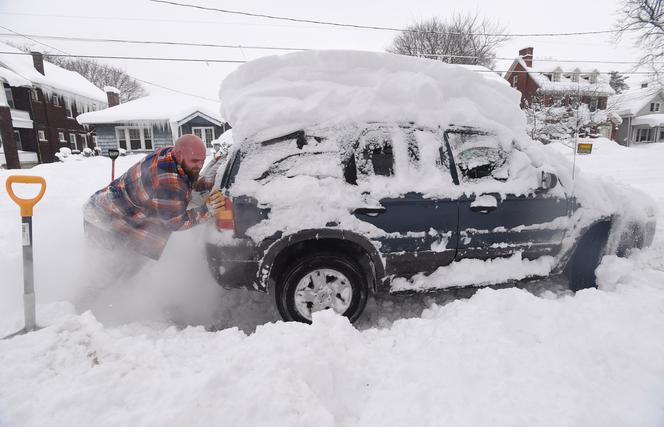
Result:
[{"x": 276, "y": 95}]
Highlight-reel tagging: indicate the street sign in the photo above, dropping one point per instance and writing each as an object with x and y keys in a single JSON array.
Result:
[
  {"x": 113, "y": 153},
  {"x": 584, "y": 148}
]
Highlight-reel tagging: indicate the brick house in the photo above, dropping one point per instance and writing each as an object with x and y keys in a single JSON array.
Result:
[
  {"x": 38, "y": 109},
  {"x": 155, "y": 121},
  {"x": 549, "y": 82}
]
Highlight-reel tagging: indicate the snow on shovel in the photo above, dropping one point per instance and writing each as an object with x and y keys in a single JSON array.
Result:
[{"x": 26, "y": 206}]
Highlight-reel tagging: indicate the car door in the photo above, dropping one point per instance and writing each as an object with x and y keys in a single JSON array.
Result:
[
  {"x": 504, "y": 209},
  {"x": 418, "y": 232}
]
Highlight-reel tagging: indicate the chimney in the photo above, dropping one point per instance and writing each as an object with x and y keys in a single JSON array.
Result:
[
  {"x": 527, "y": 54},
  {"x": 112, "y": 95},
  {"x": 38, "y": 61}
]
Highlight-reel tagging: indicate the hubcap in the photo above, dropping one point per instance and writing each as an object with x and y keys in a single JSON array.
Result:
[{"x": 321, "y": 289}]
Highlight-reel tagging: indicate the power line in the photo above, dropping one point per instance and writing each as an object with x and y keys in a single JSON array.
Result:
[
  {"x": 284, "y": 48},
  {"x": 374, "y": 27},
  {"x": 90, "y": 39},
  {"x": 142, "y": 58},
  {"x": 237, "y": 61},
  {"x": 135, "y": 78}
]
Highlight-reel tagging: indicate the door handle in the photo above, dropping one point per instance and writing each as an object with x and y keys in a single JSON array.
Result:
[
  {"x": 371, "y": 211},
  {"x": 482, "y": 209},
  {"x": 484, "y": 204}
]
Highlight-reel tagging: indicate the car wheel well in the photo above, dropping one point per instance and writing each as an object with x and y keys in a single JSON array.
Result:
[
  {"x": 326, "y": 246},
  {"x": 587, "y": 255}
]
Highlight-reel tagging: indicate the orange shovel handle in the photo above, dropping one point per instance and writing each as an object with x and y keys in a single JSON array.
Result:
[{"x": 25, "y": 204}]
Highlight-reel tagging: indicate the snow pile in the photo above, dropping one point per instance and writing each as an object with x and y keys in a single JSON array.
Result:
[
  {"x": 502, "y": 357},
  {"x": 277, "y": 95}
]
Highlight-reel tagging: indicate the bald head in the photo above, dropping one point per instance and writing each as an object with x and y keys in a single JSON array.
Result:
[{"x": 189, "y": 151}]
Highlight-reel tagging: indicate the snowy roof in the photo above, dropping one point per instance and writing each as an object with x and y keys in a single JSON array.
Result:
[
  {"x": 154, "y": 108},
  {"x": 55, "y": 78},
  {"x": 651, "y": 120},
  {"x": 543, "y": 73},
  {"x": 631, "y": 101},
  {"x": 486, "y": 73},
  {"x": 276, "y": 95}
]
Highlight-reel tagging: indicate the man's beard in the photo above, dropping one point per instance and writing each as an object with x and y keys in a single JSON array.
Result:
[{"x": 193, "y": 175}]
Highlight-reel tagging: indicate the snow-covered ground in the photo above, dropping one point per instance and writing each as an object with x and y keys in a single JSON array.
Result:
[{"x": 500, "y": 357}]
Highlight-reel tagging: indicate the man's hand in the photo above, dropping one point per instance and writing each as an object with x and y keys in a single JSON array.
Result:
[{"x": 215, "y": 202}]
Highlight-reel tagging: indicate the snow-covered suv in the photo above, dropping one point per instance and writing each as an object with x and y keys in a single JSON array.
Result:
[{"x": 326, "y": 215}]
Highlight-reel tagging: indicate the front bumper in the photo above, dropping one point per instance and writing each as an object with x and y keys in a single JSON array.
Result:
[{"x": 234, "y": 266}]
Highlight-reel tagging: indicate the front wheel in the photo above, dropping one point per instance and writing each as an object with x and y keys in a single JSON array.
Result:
[{"x": 320, "y": 282}]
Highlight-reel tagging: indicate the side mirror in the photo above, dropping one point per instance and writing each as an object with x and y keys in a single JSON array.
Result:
[
  {"x": 549, "y": 180},
  {"x": 113, "y": 153}
]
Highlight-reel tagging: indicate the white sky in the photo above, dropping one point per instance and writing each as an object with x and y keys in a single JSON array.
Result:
[{"x": 142, "y": 19}]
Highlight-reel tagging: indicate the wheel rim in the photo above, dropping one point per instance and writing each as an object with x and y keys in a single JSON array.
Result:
[{"x": 321, "y": 289}]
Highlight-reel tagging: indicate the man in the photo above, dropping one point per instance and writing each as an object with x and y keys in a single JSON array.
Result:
[{"x": 136, "y": 213}]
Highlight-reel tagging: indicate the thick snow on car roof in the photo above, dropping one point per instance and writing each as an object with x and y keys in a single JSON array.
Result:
[{"x": 276, "y": 95}]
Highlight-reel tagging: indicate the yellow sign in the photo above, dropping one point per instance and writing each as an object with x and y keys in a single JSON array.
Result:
[{"x": 584, "y": 148}]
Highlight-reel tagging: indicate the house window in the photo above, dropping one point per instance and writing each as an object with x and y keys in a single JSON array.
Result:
[
  {"x": 206, "y": 134},
  {"x": 593, "y": 105},
  {"x": 34, "y": 95},
  {"x": 72, "y": 141},
  {"x": 555, "y": 77},
  {"x": 515, "y": 80},
  {"x": 68, "y": 110},
  {"x": 661, "y": 135},
  {"x": 644, "y": 135},
  {"x": 134, "y": 138},
  {"x": 654, "y": 106},
  {"x": 61, "y": 137},
  {"x": 17, "y": 139},
  {"x": 10, "y": 97},
  {"x": 84, "y": 138},
  {"x": 42, "y": 135},
  {"x": 94, "y": 140},
  {"x": 55, "y": 100}
]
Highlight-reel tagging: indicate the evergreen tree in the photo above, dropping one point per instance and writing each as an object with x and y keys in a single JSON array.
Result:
[{"x": 617, "y": 82}]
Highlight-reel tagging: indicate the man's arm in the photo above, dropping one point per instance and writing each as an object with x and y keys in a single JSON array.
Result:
[{"x": 170, "y": 203}]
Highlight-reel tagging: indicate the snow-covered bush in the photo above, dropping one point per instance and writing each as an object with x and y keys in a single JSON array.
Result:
[{"x": 87, "y": 152}]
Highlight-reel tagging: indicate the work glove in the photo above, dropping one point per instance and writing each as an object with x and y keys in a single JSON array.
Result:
[{"x": 215, "y": 202}]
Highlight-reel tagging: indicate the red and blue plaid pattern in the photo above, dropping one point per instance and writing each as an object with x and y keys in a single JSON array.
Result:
[{"x": 146, "y": 204}]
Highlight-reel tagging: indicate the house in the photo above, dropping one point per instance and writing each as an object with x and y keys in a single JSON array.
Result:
[
  {"x": 642, "y": 113},
  {"x": 549, "y": 83},
  {"x": 38, "y": 108},
  {"x": 155, "y": 121}
]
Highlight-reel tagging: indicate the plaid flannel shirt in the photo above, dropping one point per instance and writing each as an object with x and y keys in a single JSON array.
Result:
[{"x": 146, "y": 204}]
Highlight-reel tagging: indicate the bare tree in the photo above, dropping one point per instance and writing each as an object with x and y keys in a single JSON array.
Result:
[
  {"x": 645, "y": 18},
  {"x": 102, "y": 75},
  {"x": 463, "y": 39}
]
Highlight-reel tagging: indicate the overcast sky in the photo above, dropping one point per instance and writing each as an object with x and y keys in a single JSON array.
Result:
[{"x": 145, "y": 20}]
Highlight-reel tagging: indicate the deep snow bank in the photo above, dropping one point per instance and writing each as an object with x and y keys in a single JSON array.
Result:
[{"x": 276, "y": 95}]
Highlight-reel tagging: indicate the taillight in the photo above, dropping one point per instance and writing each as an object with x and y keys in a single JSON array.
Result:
[{"x": 224, "y": 216}]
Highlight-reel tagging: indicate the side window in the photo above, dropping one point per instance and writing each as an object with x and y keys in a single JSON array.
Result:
[
  {"x": 376, "y": 156},
  {"x": 478, "y": 156}
]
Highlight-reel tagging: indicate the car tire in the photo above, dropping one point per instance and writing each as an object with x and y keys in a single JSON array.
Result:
[
  {"x": 343, "y": 287},
  {"x": 587, "y": 256}
]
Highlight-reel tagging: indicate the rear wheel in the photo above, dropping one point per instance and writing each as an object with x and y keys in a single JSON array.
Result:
[{"x": 319, "y": 282}]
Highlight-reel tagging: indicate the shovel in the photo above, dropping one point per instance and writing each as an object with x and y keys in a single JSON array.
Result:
[{"x": 26, "y": 206}]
